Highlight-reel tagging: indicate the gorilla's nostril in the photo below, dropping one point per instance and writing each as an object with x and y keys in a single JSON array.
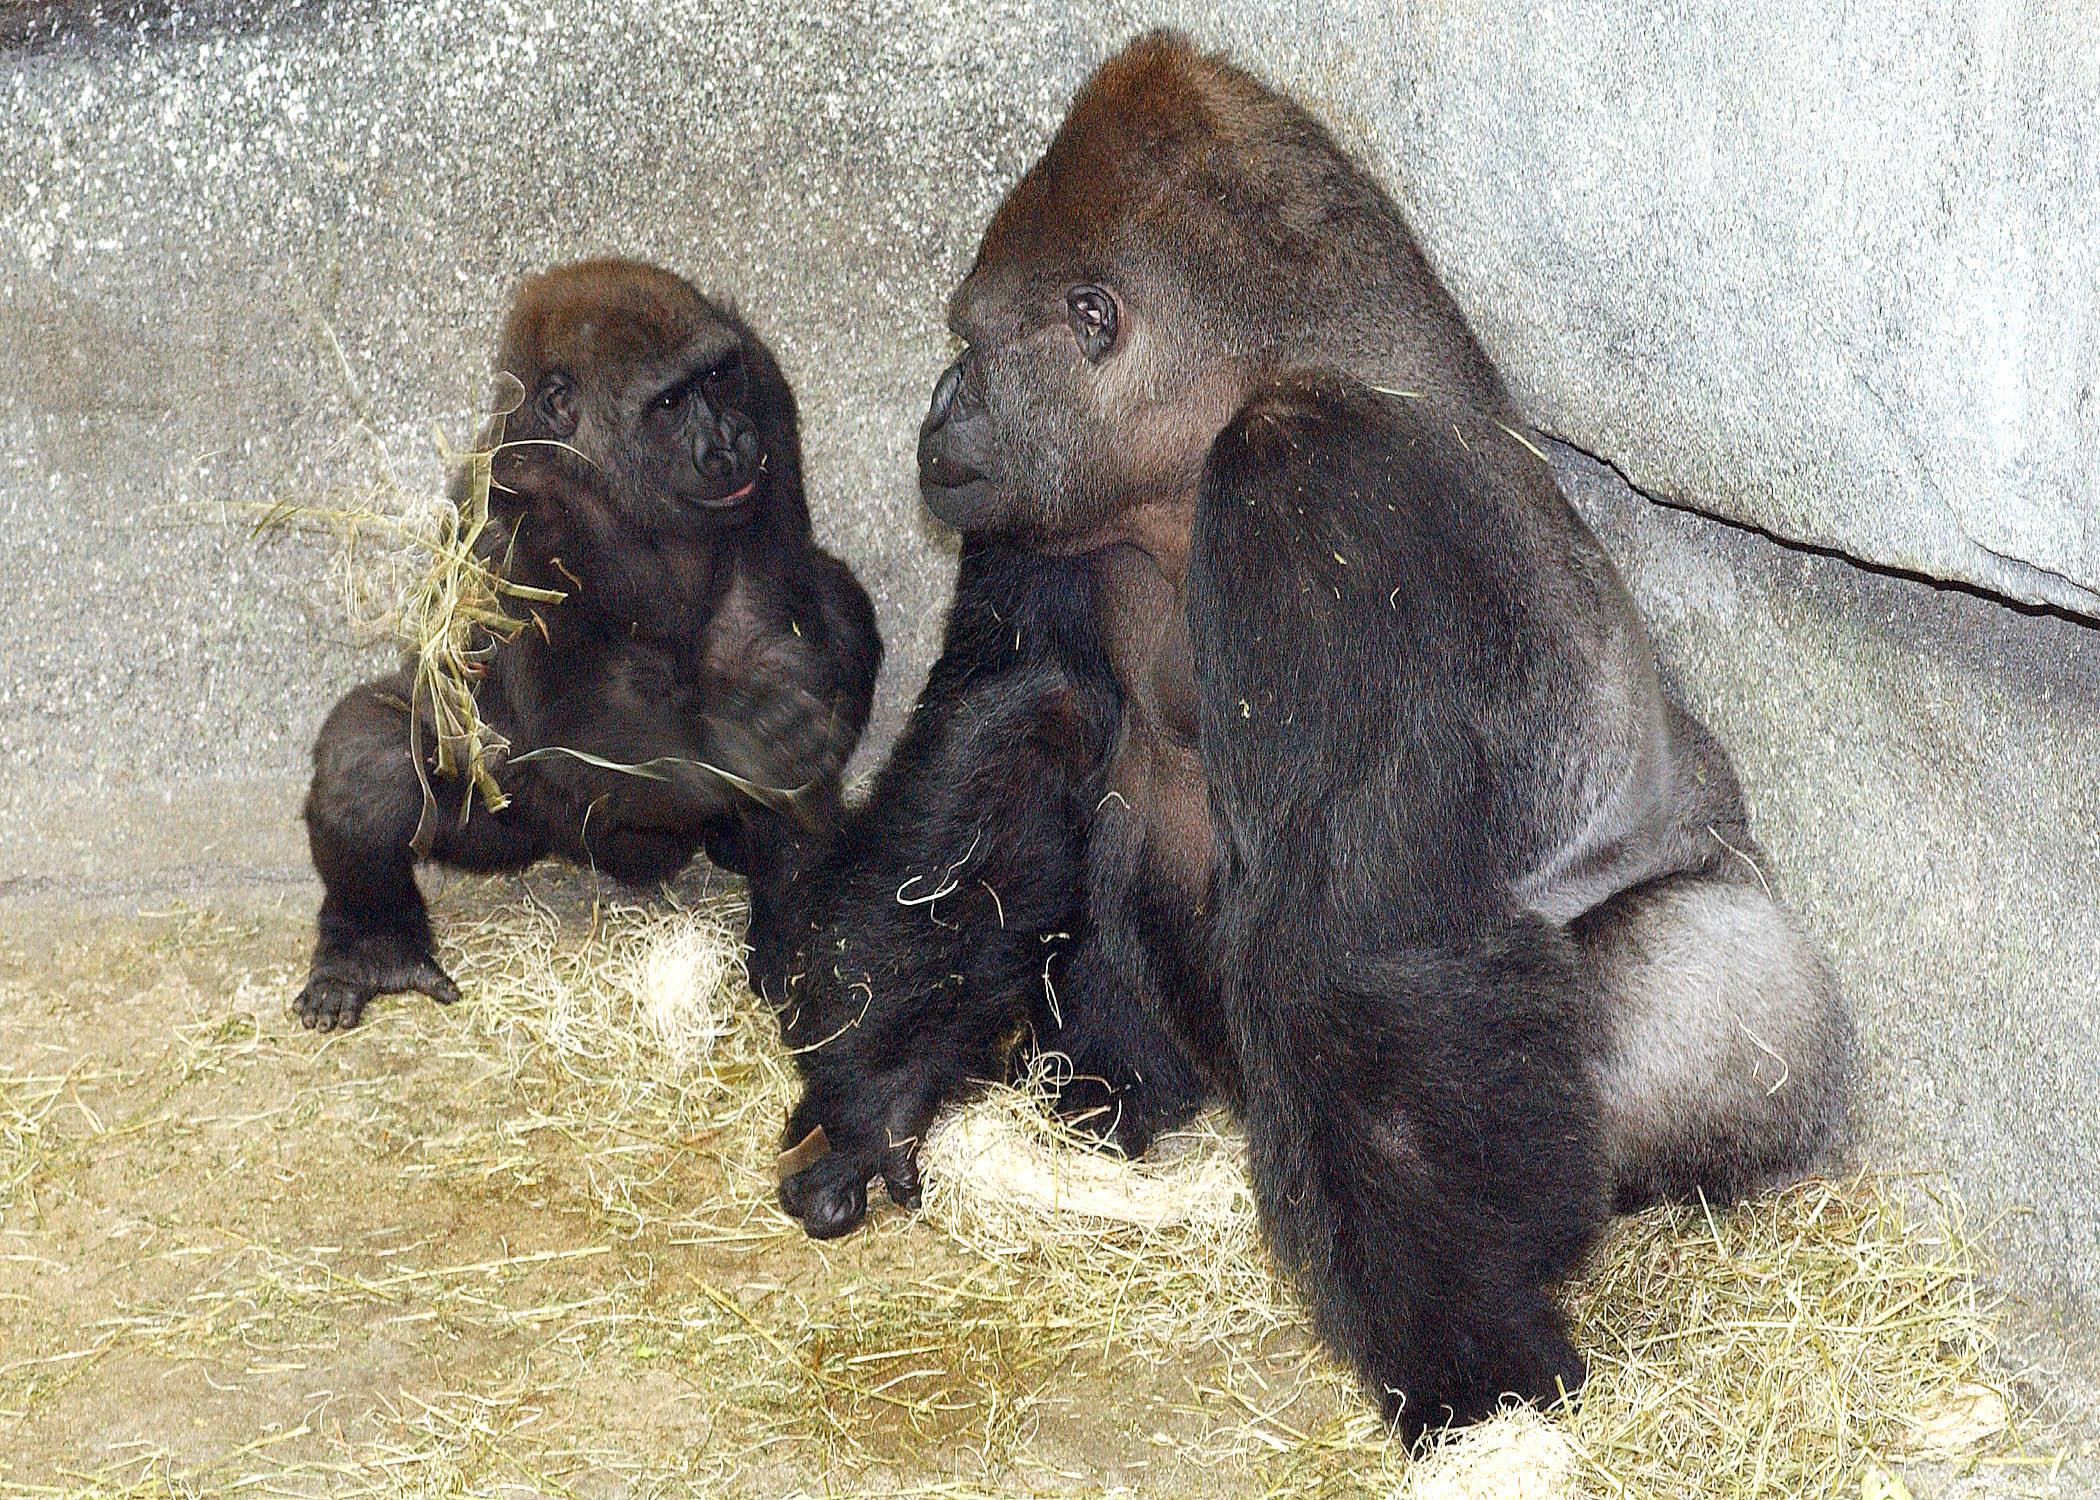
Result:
[
  {"x": 729, "y": 450},
  {"x": 944, "y": 393}
]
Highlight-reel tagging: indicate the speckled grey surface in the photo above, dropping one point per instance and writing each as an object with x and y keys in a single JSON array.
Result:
[
  {"x": 1924, "y": 767},
  {"x": 1831, "y": 270}
]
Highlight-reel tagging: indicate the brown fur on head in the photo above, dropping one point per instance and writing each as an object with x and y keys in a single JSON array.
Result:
[
  {"x": 660, "y": 406},
  {"x": 1179, "y": 163},
  {"x": 1232, "y": 236}
]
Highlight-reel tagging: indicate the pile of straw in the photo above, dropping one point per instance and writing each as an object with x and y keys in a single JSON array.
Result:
[{"x": 1788, "y": 1346}]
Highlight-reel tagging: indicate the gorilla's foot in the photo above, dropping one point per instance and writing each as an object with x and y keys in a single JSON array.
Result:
[{"x": 345, "y": 980}]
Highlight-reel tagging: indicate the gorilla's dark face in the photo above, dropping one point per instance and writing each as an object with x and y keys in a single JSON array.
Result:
[
  {"x": 665, "y": 397},
  {"x": 1077, "y": 396}
]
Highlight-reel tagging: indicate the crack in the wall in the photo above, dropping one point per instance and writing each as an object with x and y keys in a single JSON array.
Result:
[
  {"x": 2087, "y": 617},
  {"x": 1922, "y": 470}
]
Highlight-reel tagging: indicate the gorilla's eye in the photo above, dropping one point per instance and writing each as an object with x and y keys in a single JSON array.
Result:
[
  {"x": 726, "y": 379},
  {"x": 672, "y": 399},
  {"x": 1093, "y": 313}
]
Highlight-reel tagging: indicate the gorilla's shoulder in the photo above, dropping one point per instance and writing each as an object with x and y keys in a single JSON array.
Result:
[{"x": 1314, "y": 428}]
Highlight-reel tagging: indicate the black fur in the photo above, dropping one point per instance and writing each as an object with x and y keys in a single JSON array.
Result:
[
  {"x": 917, "y": 951},
  {"x": 1412, "y": 1047},
  {"x": 698, "y": 633}
]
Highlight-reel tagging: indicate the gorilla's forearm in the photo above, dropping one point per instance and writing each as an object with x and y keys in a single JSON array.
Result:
[
  {"x": 853, "y": 646},
  {"x": 904, "y": 963}
]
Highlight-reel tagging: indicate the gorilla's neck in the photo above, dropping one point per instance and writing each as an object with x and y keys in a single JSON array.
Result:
[
  {"x": 1161, "y": 530},
  {"x": 1138, "y": 600}
]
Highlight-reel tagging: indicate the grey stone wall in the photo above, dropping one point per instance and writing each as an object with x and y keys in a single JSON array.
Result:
[
  {"x": 1924, "y": 767},
  {"x": 1827, "y": 271}
]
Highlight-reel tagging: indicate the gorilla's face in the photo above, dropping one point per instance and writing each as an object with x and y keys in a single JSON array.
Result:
[
  {"x": 1076, "y": 398},
  {"x": 671, "y": 406}
]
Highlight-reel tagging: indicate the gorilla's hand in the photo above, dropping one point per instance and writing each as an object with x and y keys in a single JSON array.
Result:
[
  {"x": 346, "y": 977},
  {"x": 780, "y": 742},
  {"x": 830, "y": 1195}
]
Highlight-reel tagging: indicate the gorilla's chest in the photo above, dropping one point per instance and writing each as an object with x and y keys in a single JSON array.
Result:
[
  {"x": 1155, "y": 772},
  {"x": 1150, "y": 851}
]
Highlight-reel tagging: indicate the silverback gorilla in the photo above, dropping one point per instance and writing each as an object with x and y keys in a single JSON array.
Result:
[
  {"x": 654, "y": 475},
  {"x": 1295, "y": 743}
]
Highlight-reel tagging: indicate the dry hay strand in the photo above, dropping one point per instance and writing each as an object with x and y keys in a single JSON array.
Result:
[
  {"x": 26, "y": 1103},
  {"x": 639, "y": 1002},
  {"x": 1518, "y": 1455}
]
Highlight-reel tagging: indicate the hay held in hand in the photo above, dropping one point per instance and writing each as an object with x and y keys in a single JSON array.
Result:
[
  {"x": 454, "y": 618},
  {"x": 444, "y": 598}
]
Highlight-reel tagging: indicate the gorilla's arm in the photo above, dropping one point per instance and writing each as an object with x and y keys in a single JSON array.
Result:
[
  {"x": 1419, "y": 1121},
  {"x": 904, "y": 963},
  {"x": 792, "y": 661}
]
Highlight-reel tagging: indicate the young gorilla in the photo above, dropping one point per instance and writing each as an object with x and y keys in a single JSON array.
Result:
[
  {"x": 1295, "y": 742},
  {"x": 654, "y": 475}
]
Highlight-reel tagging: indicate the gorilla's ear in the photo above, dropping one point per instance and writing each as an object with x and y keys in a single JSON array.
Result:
[
  {"x": 1094, "y": 319},
  {"x": 554, "y": 403}
]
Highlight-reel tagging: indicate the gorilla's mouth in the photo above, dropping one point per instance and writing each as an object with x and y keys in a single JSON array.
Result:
[
  {"x": 733, "y": 498},
  {"x": 939, "y": 471},
  {"x": 955, "y": 493}
]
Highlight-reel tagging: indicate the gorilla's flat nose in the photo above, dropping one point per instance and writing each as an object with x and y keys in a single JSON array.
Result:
[
  {"x": 945, "y": 390},
  {"x": 728, "y": 449}
]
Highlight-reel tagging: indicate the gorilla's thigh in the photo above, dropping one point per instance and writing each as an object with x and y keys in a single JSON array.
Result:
[
  {"x": 1726, "y": 1048},
  {"x": 1115, "y": 999}
]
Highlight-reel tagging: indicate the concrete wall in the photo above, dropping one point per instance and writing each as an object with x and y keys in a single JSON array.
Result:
[{"x": 1829, "y": 272}]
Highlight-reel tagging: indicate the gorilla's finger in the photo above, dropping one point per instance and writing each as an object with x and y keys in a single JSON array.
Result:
[{"x": 900, "y": 1175}]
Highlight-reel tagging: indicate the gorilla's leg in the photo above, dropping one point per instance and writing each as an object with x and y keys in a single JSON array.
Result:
[
  {"x": 361, "y": 816},
  {"x": 1727, "y": 1051},
  {"x": 1105, "y": 1003},
  {"x": 1416, "y": 1129}
]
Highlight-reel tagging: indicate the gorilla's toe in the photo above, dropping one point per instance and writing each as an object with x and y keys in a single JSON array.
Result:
[
  {"x": 426, "y": 978},
  {"x": 331, "y": 1004},
  {"x": 1126, "y": 1119}
]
